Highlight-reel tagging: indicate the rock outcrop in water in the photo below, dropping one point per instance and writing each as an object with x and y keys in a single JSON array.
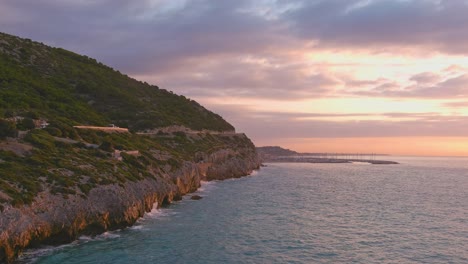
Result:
[
  {"x": 196, "y": 197},
  {"x": 53, "y": 219}
]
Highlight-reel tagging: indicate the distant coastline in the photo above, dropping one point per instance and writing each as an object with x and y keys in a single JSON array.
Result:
[{"x": 275, "y": 154}]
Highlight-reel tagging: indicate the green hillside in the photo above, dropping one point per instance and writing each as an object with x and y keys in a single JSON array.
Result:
[
  {"x": 42, "y": 84},
  {"x": 69, "y": 89}
]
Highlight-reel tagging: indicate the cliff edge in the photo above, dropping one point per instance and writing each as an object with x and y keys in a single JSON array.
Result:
[
  {"x": 85, "y": 148},
  {"x": 56, "y": 219}
]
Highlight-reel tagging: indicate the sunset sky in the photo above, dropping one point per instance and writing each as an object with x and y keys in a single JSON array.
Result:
[{"x": 384, "y": 76}]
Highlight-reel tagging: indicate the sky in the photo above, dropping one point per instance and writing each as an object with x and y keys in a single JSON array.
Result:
[{"x": 374, "y": 76}]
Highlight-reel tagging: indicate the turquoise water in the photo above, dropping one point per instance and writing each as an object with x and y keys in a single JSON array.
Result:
[{"x": 416, "y": 212}]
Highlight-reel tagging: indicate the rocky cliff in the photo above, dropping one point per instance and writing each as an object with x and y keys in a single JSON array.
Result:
[
  {"x": 85, "y": 148},
  {"x": 55, "y": 219}
]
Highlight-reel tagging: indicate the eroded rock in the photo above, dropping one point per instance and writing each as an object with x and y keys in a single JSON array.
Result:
[{"x": 53, "y": 219}]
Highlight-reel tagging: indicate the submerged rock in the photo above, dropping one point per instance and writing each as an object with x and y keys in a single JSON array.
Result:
[{"x": 196, "y": 197}]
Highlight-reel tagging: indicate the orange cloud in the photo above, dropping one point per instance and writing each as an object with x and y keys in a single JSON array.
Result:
[{"x": 282, "y": 69}]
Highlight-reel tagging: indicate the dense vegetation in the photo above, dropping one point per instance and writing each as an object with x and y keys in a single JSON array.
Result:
[
  {"x": 40, "y": 83},
  {"x": 75, "y": 168},
  {"x": 68, "y": 89},
  {"x": 275, "y": 151}
]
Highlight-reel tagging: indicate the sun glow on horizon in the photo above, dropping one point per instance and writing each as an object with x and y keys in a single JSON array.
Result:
[
  {"x": 335, "y": 84},
  {"x": 411, "y": 146}
]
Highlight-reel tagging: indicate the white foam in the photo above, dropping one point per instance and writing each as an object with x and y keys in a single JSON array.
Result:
[
  {"x": 85, "y": 238},
  {"x": 206, "y": 186},
  {"x": 156, "y": 213},
  {"x": 32, "y": 255},
  {"x": 103, "y": 236},
  {"x": 108, "y": 235},
  {"x": 136, "y": 227},
  {"x": 254, "y": 173}
]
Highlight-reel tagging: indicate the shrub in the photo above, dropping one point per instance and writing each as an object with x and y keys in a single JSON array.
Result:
[
  {"x": 32, "y": 115},
  {"x": 53, "y": 131},
  {"x": 26, "y": 124},
  {"x": 107, "y": 146},
  {"x": 7, "y": 129},
  {"x": 40, "y": 139}
]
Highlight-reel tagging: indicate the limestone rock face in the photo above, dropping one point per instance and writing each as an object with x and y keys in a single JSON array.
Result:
[
  {"x": 53, "y": 219},
  {"x": 232, "y": 164}
]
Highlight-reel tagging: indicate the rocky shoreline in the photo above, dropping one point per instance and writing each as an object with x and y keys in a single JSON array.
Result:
[{"x": 55, "y": 219}]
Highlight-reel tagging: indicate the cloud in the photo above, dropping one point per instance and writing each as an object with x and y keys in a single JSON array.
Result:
[
  {"x": 248, "y": 77},
  {"x": 270, "y": 49},
  {"x": 384, "y": 25},
  {"x": 199, "y": 45},
  {"x": 268, "y": 126},
  {"x": 425, "y": 86},
  {"x": 147, "y": 36},
  {"x": 425, "y": 78},
  {"x": 458, "y": 104}
]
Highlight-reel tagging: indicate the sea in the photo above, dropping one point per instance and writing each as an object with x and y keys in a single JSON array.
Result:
[{"x": 413, "y": 212}]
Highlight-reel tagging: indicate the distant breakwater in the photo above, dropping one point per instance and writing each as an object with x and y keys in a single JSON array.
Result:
[{"x": 305, "y": 159}]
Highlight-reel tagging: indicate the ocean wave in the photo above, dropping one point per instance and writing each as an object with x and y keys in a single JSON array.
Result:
[
  {"x": 254, "y": 173},
  {"x": 85, "y": 238},
  {"x": 108, "y": 235},
  {"x": 157, "y": 213},
  {"x": 34, "y": 254},
  {"x": 103, "y": 236},
  {"x": 206, "y": 186},
  {"x": 136, "y": 227},
  {"x": 154, "y": 213}
]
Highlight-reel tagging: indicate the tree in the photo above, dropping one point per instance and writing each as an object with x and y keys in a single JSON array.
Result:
[
  {"x": 27, "y": 124},
  {"x": 32, "y": 115},
  {"x": 107, "y": 146},
  {"x": 9, "y": 113},
  {"x": 53, "y": 131},
  {"x": 7, "y": 129}
]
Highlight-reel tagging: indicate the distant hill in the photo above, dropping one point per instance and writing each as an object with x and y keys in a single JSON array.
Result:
[
  {"x": 50, "y": 101},
  {"x": 69, "y": 89},
  {"x": 275, "y": 151}
]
